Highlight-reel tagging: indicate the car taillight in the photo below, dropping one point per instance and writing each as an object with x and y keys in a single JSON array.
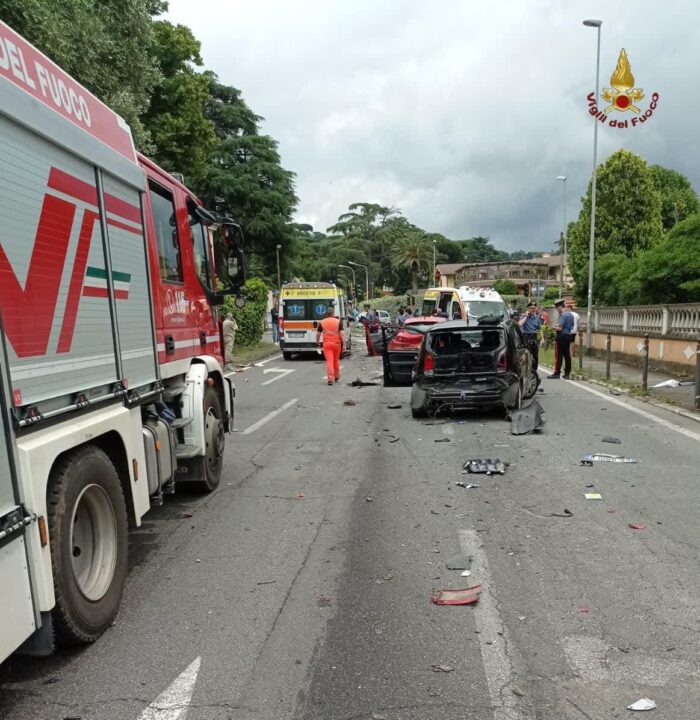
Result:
[
  {"x": 502, "y": 362},
  {"x": 281, "y": 324},
  {"x": 428, "y": 364}
]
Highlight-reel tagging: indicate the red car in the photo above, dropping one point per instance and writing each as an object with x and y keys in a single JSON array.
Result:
[{"x": 401, "y": 346}]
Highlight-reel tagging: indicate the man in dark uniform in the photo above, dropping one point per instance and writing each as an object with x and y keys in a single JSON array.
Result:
[
  {"x": 564, "y": 328},
  {"x": 531, "y": 324}
]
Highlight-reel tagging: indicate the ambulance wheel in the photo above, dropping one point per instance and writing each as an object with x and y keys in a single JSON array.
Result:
[
  {"x": 88, "y": 538},
  {"x": 287, "y": 355},
  {"x": 214, "y": 441}
]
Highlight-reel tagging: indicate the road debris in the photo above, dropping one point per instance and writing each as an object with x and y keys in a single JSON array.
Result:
[
  {"x": 610, "y": 439},
  {"x": 186, "y": 514},
  {"x": 466, "y": 596},
  {"x": 566, "y": 513},
  {"x": 300, "y": 496},
  {"x": 517, "y": 691},
  {"x": 369, "y": 498},
  {"x": 584, "y": 610},
  {"x": 642, "y": 704},
  {"x": 485, "y": 466},
  {"x": 394, "y": 439},
  {"x": 466, "y": 486},
  {"x": 266, "y": 582},
  {"x": 442, "y": 668},
  {"x": 442, "y": 440},
  {"x": 458, "y": 562},
  {"x": 590, "y": 458},
  {"x": 397, "y": 406},
  {"x": 593, "y": 496},
  {"x": 527, "y": 419},
  {"x": 636, "y": 526},
  {"x": 349, "y": 402},
  {"x": 361, "y": 383},
  {"x": 466, "y": 573}
]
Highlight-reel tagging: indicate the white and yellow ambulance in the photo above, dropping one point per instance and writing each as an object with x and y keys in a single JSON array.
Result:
[{"x": 302, "y": 306}]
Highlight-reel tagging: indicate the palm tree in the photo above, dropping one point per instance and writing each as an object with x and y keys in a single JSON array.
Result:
[{"x": 413, "y": 251}]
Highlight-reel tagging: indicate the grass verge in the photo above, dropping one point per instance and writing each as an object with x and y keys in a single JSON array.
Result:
[{"x": 246, "y": 354}]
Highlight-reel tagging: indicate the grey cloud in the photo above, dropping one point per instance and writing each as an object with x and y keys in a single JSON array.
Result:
[{"x": 461, "y": 114}]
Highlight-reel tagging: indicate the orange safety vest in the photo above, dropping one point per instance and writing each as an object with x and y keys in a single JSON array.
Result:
[{"x": 330, "y": 328}]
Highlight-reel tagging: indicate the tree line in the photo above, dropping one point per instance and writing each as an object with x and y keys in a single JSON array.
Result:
[
  {"x": 151, "y": 72},
  {"x": 647, "y": 235}
]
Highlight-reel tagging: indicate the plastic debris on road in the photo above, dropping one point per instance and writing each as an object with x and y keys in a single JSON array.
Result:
[
  {"x": 466, "y": 573},
  {"x": 349, "y": 403},
  {"x": 565, "y": 513},
  {"x": 467, "y": 486},
  {"x": 361, "y": 383},
  {"x": 610, "y": 439},
  {"x": 442, "y": 440},
  {"x": 593, "y": 496},
  {"x": 636, "y": 526},
  {"x": 394, "y": 407},
  {"x": 527, "y": 419},
  {"x": 590, "y": 458},
  {"x": 642, "y": 704},
  {"x": 667, "y": 383},
  {"x": 442, "y": 668},
  {"x": 485, "y": 466},
  {"x": 466, "y": 596}
]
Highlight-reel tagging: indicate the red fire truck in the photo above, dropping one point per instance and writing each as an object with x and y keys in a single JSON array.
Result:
[{"x": 112, "y": 387}]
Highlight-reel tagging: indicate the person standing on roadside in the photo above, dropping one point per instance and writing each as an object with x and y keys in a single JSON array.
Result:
[
  {"x": 577, "y": 323},
  {"x": 531, "y": 324},
  {"x": 330, "y": 336},
  {"x": 230, "y": 328},
  {"x": 564, "y": 328},
  {"x": 275, "y": 318}
]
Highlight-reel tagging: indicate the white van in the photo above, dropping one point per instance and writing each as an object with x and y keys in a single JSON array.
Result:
[{"x": 481, "y": 302}]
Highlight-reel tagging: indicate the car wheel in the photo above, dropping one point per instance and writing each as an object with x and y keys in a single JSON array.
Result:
[
  {"x": 418, "y": 413},
  {"x": 387, "y": 378},
  {"x": 215, "y": 441},
  {"x": 287, "y": 355},
  {"x": 532, "y": 386}
]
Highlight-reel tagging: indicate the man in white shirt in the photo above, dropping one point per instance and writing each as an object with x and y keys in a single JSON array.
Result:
[{"x": 577, "y": 322}]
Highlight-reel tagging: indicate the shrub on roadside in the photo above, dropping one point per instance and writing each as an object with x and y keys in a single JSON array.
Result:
[{"x": 250, "y": 317}]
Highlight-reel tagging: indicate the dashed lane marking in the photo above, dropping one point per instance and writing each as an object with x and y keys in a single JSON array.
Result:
[
  {"x": 173, "y": 702},
  {"x": 271, "y": 415}
]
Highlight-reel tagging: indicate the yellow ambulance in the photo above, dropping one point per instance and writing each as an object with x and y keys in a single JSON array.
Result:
[{"x": 302, "y": 306}]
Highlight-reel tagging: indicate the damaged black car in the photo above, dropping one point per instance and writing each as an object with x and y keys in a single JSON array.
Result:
[{"x": 462, "y": 367}]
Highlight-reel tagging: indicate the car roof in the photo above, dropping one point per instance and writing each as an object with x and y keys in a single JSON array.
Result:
[
  {"x": 464, "y": 325},
  {"x": 423, "y": 319}
]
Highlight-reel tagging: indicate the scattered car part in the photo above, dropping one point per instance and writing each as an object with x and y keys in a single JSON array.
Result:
[
  {"x": 610, "y": 439},
  {"x": 467, "y": 486},
  {"x": 458, "y": 562},
  {"x": 636, "y": 526},
  {"x": 566, "y": 513},
  {"x": 642, "y": 704},
  {"x": 485, "y": 466},
  {"x": 466, "y": 596},
  {"x": 526, "y": 419},
  {"x": 593, "y": 496},
  {"x": 590, "y": 458}
]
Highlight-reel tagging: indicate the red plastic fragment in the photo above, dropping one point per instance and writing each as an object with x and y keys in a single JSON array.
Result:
[
  {"x": 637, "y": 526},
  {"x": 466, "y": 596},
  {"x": 584, "y": 609}
]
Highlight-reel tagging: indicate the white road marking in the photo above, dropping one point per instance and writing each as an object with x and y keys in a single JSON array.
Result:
[
  {"x": 257, "y": 425},
  {"x": 497, "y": 667},
  {"x": 644, "y": 413},
  {"x": 173, "y": 702},
  {"x": 270, "y": 359},
  {"x": 279, "y": 373}
]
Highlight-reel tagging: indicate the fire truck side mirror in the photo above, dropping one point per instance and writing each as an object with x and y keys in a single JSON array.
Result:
[{"x": 229, "y": 258}]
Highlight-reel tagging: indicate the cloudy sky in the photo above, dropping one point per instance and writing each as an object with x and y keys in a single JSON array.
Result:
[{"x": 460, "y": 113}]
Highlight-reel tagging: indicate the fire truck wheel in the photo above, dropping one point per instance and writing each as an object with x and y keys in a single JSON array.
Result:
[
  {"x": 214, "y": 439},
  {"x": 88, "y": 533}
]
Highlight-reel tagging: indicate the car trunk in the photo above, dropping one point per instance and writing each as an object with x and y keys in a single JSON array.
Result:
[{"x": 475, "y": 351}]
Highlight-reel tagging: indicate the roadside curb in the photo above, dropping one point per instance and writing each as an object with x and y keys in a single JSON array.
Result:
[{"x": 623, "y": 391}]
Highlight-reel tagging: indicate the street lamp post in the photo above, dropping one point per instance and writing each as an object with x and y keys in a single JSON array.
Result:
[
  {"x": 350, "y": 262},
  {"x": 434, "y": 265},
  {"x": 279, "y": 274},
  {"x": 565, "y": 248},
  {"x": 354, "y": 283},
  {"x": 591, "y": 247}
]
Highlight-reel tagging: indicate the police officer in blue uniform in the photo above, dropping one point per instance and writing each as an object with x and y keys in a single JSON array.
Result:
[{"x": 565, "y": 329}]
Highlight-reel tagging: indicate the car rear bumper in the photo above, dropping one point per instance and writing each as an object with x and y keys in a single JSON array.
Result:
[
  {"x": 297, "y": 346},
  {"x": 464, "y": 394}
]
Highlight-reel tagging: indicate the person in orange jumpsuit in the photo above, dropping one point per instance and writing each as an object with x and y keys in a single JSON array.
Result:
[{"x": 331, "y": 336}]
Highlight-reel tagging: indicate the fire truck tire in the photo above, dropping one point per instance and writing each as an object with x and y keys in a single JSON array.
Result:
[
  {"x": 88, "y": 531},
  {"x": 214, "y": 439}
]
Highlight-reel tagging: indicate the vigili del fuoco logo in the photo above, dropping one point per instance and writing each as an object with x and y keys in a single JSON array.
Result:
[{"x": 622, "y": 97}]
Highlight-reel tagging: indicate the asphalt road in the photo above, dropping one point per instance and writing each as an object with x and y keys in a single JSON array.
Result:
[{"x": 301, "y": 589}]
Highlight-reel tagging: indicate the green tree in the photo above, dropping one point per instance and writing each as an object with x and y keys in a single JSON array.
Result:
[
  {"x": 480, "y": 249},
  {"x": 245, "y": 178},
  {"x": 106, "y": 46},
  {"x": 678, "y": 199},
  {"x": 670, "y": 271},
  {"x": 251, "y": 316},
  {"x": 505, "y": 287},
  {"x": 414, "y": 252},
  {"x": 182, "y": 136},
  {"x": 628, "y": 215}
]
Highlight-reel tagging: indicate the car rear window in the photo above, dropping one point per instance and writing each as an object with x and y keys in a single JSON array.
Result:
[
  {"x": 306, "y": 309},
  {"x": 419, "y": 327},
  {"x": 454, "y": 342},
  {"x": 483, "y": 308}
]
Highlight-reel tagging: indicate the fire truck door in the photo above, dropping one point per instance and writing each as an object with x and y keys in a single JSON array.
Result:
[{"x": 17, "y": 617}]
